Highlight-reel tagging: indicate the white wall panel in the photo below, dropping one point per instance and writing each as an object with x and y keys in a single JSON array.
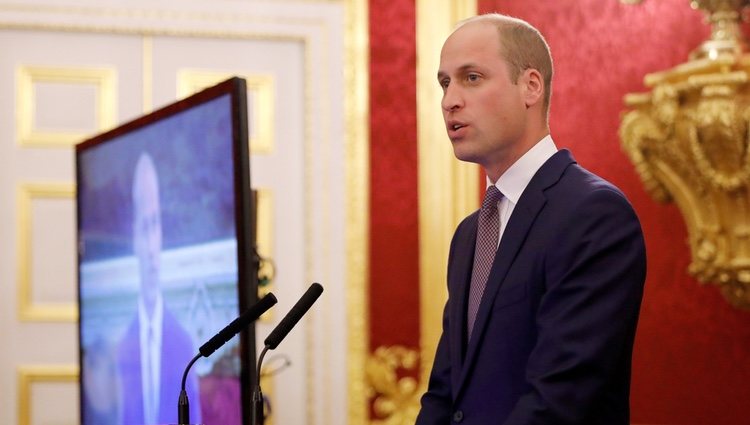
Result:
[
  {"x": 301, "y": 46},
  {"x": 53, "y": 267},
  {"x": 47, "y": 394}
]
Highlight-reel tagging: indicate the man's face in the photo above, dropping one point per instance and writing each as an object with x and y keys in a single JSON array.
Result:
[
  {"x": 147, "y": 232},
  {"x": 484, "y": 111}
]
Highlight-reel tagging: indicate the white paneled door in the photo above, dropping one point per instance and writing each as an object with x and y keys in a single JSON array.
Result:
[{"x": 69, "y": 70}]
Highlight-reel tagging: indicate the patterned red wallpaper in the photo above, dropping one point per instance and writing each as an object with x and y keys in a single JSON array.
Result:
[
  {"x": 394, "y": 261},
  {"x": 690, "y": 362}
]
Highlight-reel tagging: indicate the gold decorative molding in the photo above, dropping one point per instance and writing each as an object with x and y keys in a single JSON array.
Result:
[
  {"x": 148, "y": 73},
  {"x": 726, "y": 36},
  {"x": 103, "y": 79},
  {"x": 396, "y": 392},
  {"x": 28, "y": 375},
  {"x": 689, "y": 139},
  {"x": 356, "y": 74},
  {"x": 155, "y": 15},
  {"x": 448, "y": 188},
  {"x": 260, "y": 96},
  {"x": 264, "y": 235},
  {"x": 28, "y": 310}
]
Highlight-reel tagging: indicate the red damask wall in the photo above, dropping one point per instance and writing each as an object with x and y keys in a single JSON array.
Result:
[
  {"x": 692, "y": 349},
  {"x": 394, "y": 263}
]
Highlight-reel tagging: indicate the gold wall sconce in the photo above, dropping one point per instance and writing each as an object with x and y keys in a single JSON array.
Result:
[{"x": 689, "y": 141}]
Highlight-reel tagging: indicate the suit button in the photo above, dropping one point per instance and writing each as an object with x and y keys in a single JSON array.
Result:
[{"x": 458, "y": 416}]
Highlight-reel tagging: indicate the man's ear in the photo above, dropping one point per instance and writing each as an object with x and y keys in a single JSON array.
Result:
[{"x": 533, "y": 87}]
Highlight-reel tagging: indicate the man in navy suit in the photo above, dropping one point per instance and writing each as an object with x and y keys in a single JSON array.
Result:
[
  {"x": 539, "y": 328},
  {"x": 155, "y": 348}
]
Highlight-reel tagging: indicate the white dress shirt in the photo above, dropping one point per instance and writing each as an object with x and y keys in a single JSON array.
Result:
[
  {"x": 151, "y": 353},
  {"x": 515, "y": 179}
]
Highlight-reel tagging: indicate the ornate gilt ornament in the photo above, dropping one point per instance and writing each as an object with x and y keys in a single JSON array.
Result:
[
  {"x": 689, "y": 140},
  {"x": 391, "y": 373}
]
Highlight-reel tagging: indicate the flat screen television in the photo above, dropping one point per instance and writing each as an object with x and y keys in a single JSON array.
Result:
[{"x": 165, "y": 260}]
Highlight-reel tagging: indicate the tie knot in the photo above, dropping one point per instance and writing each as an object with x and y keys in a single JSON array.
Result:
[{"x": 491, "y": 197}]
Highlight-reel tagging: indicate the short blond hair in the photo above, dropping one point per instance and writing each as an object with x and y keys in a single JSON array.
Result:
[{"x": 523, "y": 47}]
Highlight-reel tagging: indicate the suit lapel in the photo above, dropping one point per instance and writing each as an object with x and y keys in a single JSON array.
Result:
[
  {"x": 460, "y": 278},
  {"x": 532, "y": 201}
]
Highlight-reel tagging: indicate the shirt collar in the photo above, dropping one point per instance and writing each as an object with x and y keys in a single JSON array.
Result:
[
  {"x": 155, "y": 321},
  {"x": 515, "y": 179}
]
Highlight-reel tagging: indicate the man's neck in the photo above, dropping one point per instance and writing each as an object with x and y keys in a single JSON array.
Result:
[{"x": 494, "y": 171}]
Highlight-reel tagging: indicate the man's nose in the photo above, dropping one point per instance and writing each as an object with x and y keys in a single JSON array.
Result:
[{"x": 452, "y": 99}]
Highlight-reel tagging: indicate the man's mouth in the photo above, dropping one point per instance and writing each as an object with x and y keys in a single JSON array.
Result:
[
  {"x": 454, "y": 125},
  {"x": 455, "y": 128}
]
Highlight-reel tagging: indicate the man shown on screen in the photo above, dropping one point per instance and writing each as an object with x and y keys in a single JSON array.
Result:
[{"x": 155, "y": 348}]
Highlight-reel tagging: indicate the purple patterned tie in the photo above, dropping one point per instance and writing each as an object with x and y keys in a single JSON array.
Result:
[{"x": 488, "y": 232}]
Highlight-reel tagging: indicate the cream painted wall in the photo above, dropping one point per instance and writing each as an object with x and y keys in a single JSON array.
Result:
[{"x": 135, "y": 52}]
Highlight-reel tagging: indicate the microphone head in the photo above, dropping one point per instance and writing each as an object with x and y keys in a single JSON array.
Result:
[
  {"x": 250, "y": 315},
  {"x": 294, "y": 315}
]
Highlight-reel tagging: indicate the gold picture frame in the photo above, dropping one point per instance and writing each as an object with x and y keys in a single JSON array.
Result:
[
  {"x": 27, "y": 76},
  {"x": 27, "y": 375},
  {"x": 28, "y": 310}
]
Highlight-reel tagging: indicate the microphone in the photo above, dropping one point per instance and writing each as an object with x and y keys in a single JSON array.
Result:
[
  {"x": 250, "y": 315},
  {"x": 276, "y": 336},
  {"x": 294, "y": 315}
]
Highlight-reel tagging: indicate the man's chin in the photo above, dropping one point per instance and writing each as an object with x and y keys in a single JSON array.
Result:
[{"x": 465, "y": 155}]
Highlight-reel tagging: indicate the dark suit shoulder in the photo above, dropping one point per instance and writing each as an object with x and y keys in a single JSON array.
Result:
[
  {"x": 573, "y": 184},
  {"x": 587, "y": 180},
  {"x": 587, "y": 188}
]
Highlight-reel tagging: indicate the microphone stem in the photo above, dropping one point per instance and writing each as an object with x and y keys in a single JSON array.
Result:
[
  {"x": 183, "y": 404},
  {"x": 257, "y": 414},
  {"x": 184, "y": 375}
]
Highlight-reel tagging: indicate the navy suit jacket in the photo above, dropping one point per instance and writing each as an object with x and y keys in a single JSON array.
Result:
[
  {"x": 553, "y": 338},
  {"x": 176, "y": 352}
]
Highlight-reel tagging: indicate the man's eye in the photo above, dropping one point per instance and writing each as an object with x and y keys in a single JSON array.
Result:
[
  {"x": 472, "y": 77},
  {"x": 444, "y": 83}
]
